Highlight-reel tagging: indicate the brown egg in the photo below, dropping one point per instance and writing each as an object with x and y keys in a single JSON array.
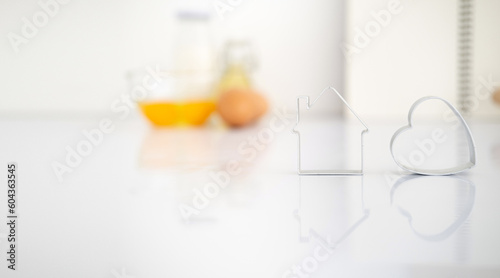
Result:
[
  {"x": 496, "y": 96},
  {"x": 239, "y": 107}
]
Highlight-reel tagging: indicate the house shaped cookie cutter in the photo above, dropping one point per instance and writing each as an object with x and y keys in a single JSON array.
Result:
[{"x": 300, "y": 171}]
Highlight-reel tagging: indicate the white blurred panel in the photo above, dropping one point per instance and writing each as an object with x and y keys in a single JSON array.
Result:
[
  {"x": 76, "y": 61},
  {"x": 411, "y": 54}
]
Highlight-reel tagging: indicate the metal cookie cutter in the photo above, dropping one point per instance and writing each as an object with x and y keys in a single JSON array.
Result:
[
  {"x": 327, "y": 172},
  {"x": 437, "y": 172}
]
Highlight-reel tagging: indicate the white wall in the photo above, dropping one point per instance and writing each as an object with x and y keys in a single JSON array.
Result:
[
  {"x": 412, "y": 57},
  {"x": 76, "y": 63},
  {"x": 415, "y": 55},
  {"x": 486, "y": 57}
]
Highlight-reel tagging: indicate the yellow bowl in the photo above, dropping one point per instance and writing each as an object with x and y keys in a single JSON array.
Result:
[{"x": 168, "y": 113}]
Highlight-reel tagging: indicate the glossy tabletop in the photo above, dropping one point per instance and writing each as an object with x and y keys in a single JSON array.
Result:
[{"x": 146, "y": 202}]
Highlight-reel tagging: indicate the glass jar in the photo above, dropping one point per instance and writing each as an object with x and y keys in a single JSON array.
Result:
[
  {"x": 238, "y": 63},
  {"x": 185, "y": 95}
]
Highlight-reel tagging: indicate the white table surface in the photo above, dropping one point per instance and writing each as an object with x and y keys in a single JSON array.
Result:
[{"x": 117, "y": 214}]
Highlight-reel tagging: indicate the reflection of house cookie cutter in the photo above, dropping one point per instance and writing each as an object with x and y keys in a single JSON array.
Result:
[
  {"x": 449, "y": 171},
  {"x": 454, "y": 226},
  {"x": 328, "y": 242},
  {"x": 327, "y": 172}
]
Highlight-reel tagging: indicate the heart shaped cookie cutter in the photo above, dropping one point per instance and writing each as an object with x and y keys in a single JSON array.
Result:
[{"x": 437, "y": 172}]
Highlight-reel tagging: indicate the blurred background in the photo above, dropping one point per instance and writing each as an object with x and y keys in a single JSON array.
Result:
[
  {"x": 76, "y": 64},
  {"x": 153, "y": 136},
  {"x": 72, "y": 58}
]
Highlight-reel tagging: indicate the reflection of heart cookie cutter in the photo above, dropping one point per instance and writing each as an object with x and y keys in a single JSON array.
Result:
[
  {"x": 454, "y": 226},
  {"x": 448, "y": 171}
]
